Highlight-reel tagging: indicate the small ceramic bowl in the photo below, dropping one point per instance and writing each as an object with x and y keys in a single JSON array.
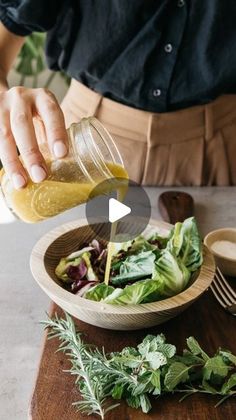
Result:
[
  {"x": 226, "y": 265},
  {"x": 66, "y": 239}
]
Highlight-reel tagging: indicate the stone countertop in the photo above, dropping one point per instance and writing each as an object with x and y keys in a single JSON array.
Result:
[{"x": 23, "y": 304}]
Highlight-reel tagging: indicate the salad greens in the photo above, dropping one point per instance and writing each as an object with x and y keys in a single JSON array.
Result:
[
  {"x": 143, "y": 270},
  {"x": 185, "y": 244},
  {"x": 135, "y": 374}
]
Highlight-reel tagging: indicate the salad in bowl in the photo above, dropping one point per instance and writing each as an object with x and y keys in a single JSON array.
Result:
[{"x": 147, "y": 269}]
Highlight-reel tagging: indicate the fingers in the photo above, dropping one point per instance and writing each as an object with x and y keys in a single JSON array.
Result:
[
  {"x": 8, "y": 153},
  {"x": 22, "y": 128},
  {"x": 18, "y": 107},
  {"x": 53, "y": 120}
]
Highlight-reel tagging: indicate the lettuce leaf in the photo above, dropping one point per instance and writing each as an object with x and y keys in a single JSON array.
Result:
[
  {"x": 98, "y": 292},
  {"x": 141, "y": 244},
  {"x": 135, "y": 267},
  {"x": 170, "y": 275},
  {"x": 132, "y": 294},
  {"x": 185, "y": 244}
]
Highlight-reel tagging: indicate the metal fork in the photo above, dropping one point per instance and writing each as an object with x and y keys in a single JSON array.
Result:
[{"x": 222, "y": 291}]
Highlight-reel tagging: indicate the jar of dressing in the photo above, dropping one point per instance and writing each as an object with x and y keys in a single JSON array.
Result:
[{"x": 92, "y": 158}]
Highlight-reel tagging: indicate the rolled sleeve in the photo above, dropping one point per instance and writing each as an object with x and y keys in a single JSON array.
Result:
[{"x": 23, "y": 17}]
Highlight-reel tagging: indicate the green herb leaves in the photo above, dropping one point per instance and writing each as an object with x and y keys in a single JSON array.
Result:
[
  {"x": 136, "y": 373},
  {"x": 215, "y": 366},
  {"x": 177, "y": 372}
]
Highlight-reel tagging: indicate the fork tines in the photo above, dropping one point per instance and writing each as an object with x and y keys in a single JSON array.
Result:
[{"x": 221, "y": 289}]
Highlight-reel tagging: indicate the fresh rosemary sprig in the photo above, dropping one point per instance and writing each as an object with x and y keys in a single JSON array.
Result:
[
  {"x": 85, "y": 363},
  {"x": 136, "y": 373}
]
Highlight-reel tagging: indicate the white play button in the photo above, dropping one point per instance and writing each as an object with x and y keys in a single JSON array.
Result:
[
  {"x": 132, "y": 215},
  {"x": 117, "y": 210}
]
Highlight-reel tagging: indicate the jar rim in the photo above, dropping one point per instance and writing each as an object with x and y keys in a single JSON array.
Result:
[{"x": 96, "y": 151}]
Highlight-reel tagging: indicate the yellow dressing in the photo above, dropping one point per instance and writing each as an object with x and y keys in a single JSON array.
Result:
[
  {"x": 60, "y": 192},
  {"x": 63, "y": 190}
]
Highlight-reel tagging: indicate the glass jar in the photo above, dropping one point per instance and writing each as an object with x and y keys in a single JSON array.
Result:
[{"x": 93, "y": 158}]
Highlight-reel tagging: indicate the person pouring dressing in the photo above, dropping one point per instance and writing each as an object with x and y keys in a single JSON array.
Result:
[{"x": 160, "y": 75}]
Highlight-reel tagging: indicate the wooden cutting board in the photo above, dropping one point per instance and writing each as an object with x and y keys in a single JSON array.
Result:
[{"x": 55, "y": 391}]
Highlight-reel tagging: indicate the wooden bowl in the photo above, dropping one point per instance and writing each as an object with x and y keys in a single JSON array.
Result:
[
  {"x": 226, "y": 265},
  {"x": 65, "y": 240}
]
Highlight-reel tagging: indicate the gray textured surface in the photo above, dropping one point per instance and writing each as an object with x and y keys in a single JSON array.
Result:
[{"x": 23, "y": 304}]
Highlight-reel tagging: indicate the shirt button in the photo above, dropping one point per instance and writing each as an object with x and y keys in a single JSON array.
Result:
[
  {"x": 168, "y": 48},
  {"x": 181, "y": 3},
  {"x": 156, "y": 92}
]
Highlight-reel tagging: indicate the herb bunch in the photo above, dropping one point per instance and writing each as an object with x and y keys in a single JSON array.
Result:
[{"x": 136, "y": 373}]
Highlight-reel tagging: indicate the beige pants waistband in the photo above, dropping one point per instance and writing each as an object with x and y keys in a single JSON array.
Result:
[{"x": 201, "y": 120}]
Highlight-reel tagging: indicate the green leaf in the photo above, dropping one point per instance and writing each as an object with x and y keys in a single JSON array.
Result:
[
  {"x": 128, "y": 360},
  {"x": 162, "y": 240},
  {"x": 171, "y": 276},
  {"x": 25, "y": 66},
  {"x": 216, "y": 366},
  {"x": 156, "y": 382},
  {"x": 228, "y": 356},
  {"x": 156, "y": 359},
  {"x": 140, "y": 388},
  {"x": 135, "y": 267},
  {"x": 40, "y": 65},
  {"x": 195, "y": 348},
  {"x": 117, "y": 391},
  {"x": 133, "y": 294},
  {"x": 61, "y": 269},
  {"x": 133, "y": 401},
  {"x": 231, "y": 383},
  {"x": 177, "y": 373},
  {"x": 145, "y": 403},
  {"x": 99, "y": 292},
  {"x": 151, "y": 343},
  {"x": 189, "y": 359},
  {"x": 168, "y": 350},
  {"x": 129, "y": 357},
  {"x": 208, "y": 387},
  {"x": 185, "y": 243},
  {"x": 31, "y": 47}
]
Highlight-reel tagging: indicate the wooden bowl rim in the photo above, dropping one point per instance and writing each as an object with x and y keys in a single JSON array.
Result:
[{"x": 51, "y": 288}]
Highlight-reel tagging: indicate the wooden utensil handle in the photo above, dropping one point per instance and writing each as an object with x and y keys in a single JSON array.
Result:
[{"x": 175, "y": 206}]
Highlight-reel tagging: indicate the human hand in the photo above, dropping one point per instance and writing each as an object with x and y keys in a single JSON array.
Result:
[{"x": 18, "y": 107}]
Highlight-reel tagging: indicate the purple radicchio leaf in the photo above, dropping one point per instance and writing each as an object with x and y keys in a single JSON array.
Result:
[
  {"x": 77, "y": 272},
  {"x": 78, "y": 286},
  {"x": 97, "y": 246}
]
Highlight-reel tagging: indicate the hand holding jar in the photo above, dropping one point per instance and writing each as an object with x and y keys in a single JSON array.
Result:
[
  {"x": 91, "y": 159},
  {"x": 19, "y": 107}
]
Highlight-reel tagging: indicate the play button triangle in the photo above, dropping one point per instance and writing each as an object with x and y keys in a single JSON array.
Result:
[{"x": 117, "y": 210}]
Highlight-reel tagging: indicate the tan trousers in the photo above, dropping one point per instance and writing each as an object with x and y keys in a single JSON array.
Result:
[{"x": 194, "y": 146}]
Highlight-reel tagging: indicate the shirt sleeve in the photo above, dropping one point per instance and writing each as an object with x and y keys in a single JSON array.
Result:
[{"x": 23, "y": 17}]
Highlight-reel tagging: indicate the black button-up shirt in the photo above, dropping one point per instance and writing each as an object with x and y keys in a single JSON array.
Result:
[{"x": 156, "y": 55}]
